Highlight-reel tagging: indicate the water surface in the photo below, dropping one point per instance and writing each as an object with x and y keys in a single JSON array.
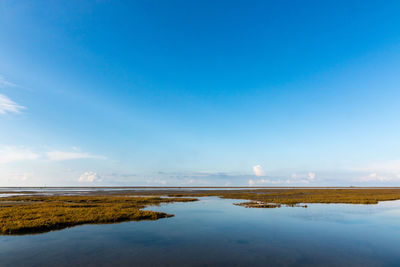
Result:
[{"x": 214, "y": 232}]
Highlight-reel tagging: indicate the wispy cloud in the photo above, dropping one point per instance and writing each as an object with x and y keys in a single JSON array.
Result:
[
  {"x": 89, "y": 177},
  {"x": 10, "y": 154},
  {"x": 253, "y": 182},
  {"x": 9, "y": 106},
  {"x": 20, "y": 177},
  {"x": 156, "y": 182},
  {"x": 57, "y": 155},
  {"x": 184, "y": 178},
  {"x": 5, "y": 83},
  {"x": 375, "y": 177}
]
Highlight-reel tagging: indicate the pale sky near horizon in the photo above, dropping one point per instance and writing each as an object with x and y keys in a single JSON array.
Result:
[{"x": 194, "y": 93}]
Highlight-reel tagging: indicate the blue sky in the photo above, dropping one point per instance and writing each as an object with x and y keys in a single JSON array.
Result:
[{"x": 260, "y": 93}]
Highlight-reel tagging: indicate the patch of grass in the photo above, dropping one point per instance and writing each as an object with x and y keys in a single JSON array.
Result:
[
  {"x": 292, "y": 197},
  {"x": 35, "y": 214}
]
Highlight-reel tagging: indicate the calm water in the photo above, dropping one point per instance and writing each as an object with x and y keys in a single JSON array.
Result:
[{"x": 214, "y": 232}]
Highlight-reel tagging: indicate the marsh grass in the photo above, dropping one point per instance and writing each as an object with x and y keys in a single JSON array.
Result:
[
  {"x": 290, "y": 197},
  {"x": 293, "y": 197},
  {"x": 35, "y": 214}
]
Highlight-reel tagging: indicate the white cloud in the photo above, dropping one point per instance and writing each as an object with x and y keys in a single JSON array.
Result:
[
  {"x": 57, "y": 155},
  {"x": 9, "y": 106},
  {"x": 311, "y": 176},
  {"x": 89, "y": 177},
  {"x": 258, "y": 170},
  {"x": 251, "y": 182},
  {"x": 12, "y": 154}
]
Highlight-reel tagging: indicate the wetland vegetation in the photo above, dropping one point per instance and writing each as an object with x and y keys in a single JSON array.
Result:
[
  {"x": 38, "y": 213},
  {"x": 293, "y": 197},
  {"x": 21, "y": 215}
]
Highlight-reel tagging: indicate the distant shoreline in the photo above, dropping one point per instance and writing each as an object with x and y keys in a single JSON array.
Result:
[{"x": 194, "y": 187}]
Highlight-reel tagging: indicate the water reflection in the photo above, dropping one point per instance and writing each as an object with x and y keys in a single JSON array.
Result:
[{"x": 214, "y": 232}]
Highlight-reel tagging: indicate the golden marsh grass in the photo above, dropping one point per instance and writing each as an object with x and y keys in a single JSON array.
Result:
[{"x": 21, "y": 215}]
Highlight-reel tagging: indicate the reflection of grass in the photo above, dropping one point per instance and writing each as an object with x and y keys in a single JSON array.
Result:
[
  {"x": 258, "y": 204},
  {"x": 19, "y": 215}
]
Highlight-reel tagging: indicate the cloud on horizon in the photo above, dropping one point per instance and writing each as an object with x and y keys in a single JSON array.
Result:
[
  {"x": 294, "y": 179},
  {"x": 258, "y": 170},
  {"x": 89, "y": 177}
]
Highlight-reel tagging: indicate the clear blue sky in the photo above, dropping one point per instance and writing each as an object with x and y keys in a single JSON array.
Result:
[{"x": 200, "y": 92}]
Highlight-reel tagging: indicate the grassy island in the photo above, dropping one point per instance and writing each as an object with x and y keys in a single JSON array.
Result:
[{"x": 35, "y": 214}]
